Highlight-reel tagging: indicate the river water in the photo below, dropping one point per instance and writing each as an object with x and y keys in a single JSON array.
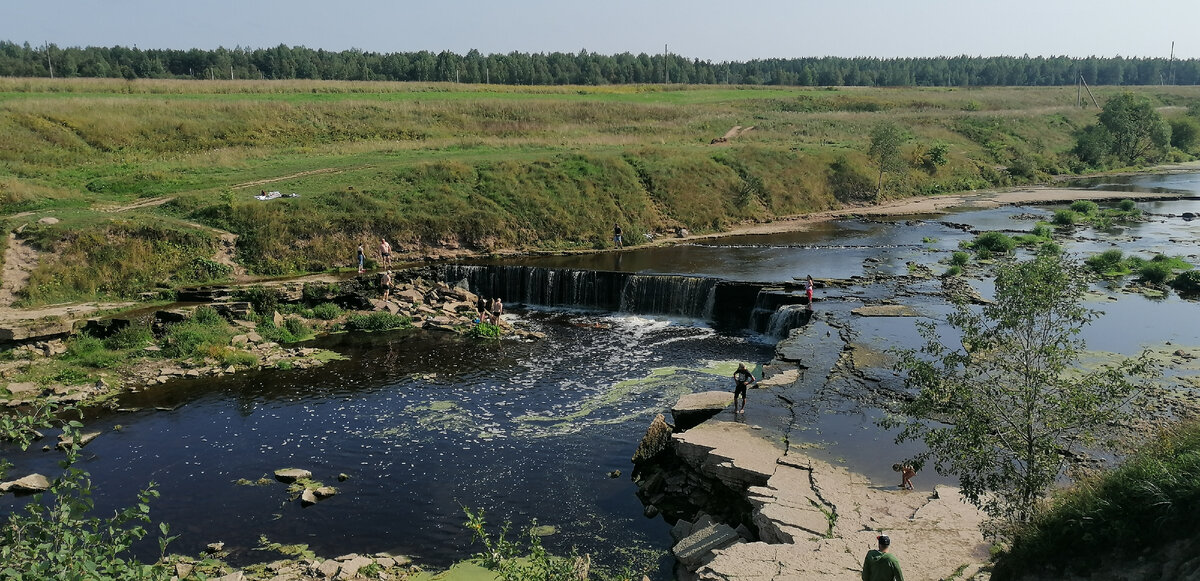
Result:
[{"x": 425, "y": 423}]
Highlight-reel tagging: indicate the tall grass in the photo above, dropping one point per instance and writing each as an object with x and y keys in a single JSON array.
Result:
[{"x": 1150, "y": 500}]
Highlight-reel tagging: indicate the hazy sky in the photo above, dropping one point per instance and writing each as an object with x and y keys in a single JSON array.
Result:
[{"x": 715, "y": 30}]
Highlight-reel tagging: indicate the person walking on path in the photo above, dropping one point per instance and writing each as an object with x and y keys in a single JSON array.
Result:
[
  {"x": 880, "y": 565},
  {"x": 362, "y": 259},
  {"x": 741, "y": 378},
  {"x": 385, "y": 251},
  {"x": 617, "y": 239},
  {"x": 808, "y": 288}
]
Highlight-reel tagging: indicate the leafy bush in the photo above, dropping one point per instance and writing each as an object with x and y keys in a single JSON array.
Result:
[
  {"x": 239, "y": 357},
  {"x": 1127, "y": 205},
  {"x": 88, "y": 351},
  {"x": 131, "y": 337},
  {"x": 1108, "y": 263},
  {"x": 954, "y": 270},
  {"x": 203, "y": 334},
  {"x": 485, "y": 331},
  {"x": 960, "y": 258},
  {"x": 1155, "y": 272},
  {"x": 320, "y": 291},
  {"x": 994, "y": 242},
  {"x": 1043, "y": 230},
  {"x": 263, "y": 300},
  {"x": 294, "y": 329},
  {"x": 1085, "y": 207},
  {"x": 327, "y": 311},
  {"x": 377, "y": 321},
  {"x": 1187, "y": 282},
  {"x": 1065, "y": 218},
  {"x": 511, "y": 562},
  {"x": 203, "y": 270}
]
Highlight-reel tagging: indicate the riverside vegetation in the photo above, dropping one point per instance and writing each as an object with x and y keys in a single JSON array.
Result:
[{"x": 143, "y": 178}]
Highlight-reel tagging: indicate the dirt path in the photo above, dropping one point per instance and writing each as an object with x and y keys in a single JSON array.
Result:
[
  {"x": 287, "y": 177},
  {"x": 146, "y": 203},
  {"x": 20, "y": 258}
]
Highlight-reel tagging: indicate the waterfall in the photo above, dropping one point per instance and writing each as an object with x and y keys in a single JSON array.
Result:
[
  {"x": 785, "y": 319},
  {"x": 681, "y": 296}
]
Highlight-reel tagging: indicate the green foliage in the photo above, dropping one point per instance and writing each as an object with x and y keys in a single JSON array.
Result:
[
  {"x": 316, "y": 292},
  {"x": 993, "y": 243},
  {"x": 294, "y": 329},
  {"x": 1085, "y": 207},
  {"x": 203, "y": 270},
  {"x": 960, "y": 258},
  {"x": 1185, "y": 133},
  {"x": 483, "y": 330},
  {"x": 263, "y": 300},
  {"x": 935, "y": 156},
  {"x": 1065, "y": 218},
  {"x": 56, "y": 536},
  {"x": 1008, "y": 397},
  {"x": 205, "y": 333},
  {"x": 884, "y": 150},
  {"x": 1137, "y": 132},
  {"x": 1146, "y": 503},
  {"x": 131, "y": 337},
  {"x": 377, "y": 321},
  {"x": 239, "y": 358},
  {"x": 1187, "y": 282},
  {"x": 1109, "y": 263},
  {"x": 954, "y": 270},
  {"x": 1043, "y": 230},
  {"x": 1127, "y": 205},
  {"x": 327, "y": 311},
  {"x": 1161, "y": 268},
  {"x": 87, "y": 351},
  {"x": 515, "y": 563},
  {"x": 848, "y": 183}
]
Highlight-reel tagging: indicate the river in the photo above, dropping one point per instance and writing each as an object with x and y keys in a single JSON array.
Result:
[{"x": 425, "y": 424}]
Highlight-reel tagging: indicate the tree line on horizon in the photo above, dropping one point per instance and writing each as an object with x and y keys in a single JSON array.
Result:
[{"x": 584, "y": 68}]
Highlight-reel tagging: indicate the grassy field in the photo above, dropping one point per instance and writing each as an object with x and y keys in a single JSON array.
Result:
[{"x": 134, "y": 171}]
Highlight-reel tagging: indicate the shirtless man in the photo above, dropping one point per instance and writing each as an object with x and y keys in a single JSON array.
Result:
[{"x": 385, "y": 251}]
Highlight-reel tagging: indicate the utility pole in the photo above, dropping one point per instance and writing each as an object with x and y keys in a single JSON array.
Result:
[
  {"x": 51, "y": 65},
  {"x": 231, "y": 72},
  {"x": 1171, "y": 64},
  {"x": 666, "y": 72}
]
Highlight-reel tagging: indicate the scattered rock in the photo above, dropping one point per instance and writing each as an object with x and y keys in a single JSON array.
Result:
[
  {"x": 308, "y": 497},
  {"x": 31, "y": 483},
  {"x": 291, "y": 474},
  {"x": 65, "y": 442},
  {"x": 216, "y": 547}
]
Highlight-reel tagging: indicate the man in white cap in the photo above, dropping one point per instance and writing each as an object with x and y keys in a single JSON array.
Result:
[{"x": 880, "y": 565}]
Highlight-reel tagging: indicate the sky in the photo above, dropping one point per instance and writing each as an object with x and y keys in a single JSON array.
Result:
[{"x": 712, "y": 30}]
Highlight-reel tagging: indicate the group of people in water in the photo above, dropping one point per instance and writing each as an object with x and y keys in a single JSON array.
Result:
[{"x": 490, "y": 311}]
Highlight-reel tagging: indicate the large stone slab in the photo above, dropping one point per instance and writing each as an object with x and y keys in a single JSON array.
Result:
[
  {"x": 731, "y": 452},
  {"x": 31, "y": 483},
  {"x": 656, "y": 440},
  {"x": 886, "y": 311},
  {"x": 36, "y": 330},
  {"x": 694, "y": 408},
  {"x": 697, "y": 547}
]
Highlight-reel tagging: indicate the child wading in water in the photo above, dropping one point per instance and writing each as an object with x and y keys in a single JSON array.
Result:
[{"x": 906, "y": 474}]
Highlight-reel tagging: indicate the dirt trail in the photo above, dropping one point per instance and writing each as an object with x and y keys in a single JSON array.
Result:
[
  {"x": 146, "y": 203},
  {"x": 287, "y": 177},
  {"x": 20, "y": 258}
]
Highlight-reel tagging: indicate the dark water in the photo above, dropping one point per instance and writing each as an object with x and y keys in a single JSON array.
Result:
[{"x": 426, "y": 423}]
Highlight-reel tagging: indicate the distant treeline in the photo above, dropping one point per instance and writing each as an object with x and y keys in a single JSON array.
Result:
[{"x": 583, "y": 68}]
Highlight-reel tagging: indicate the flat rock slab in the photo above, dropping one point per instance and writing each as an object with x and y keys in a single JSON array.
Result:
[
  {"x": 698, "y": 546},
  {"x": 31, "y": 483},
  {"x": 694, "y": 408},
  {"x": 291, "y": 474},
  {"x": 729, "y": 451},
  {"x": 886, "y": 311}
]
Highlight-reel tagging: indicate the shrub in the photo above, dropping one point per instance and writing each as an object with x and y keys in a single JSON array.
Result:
[
  {"x": 264, "y": 300},
  {"x": 485, "y": 331},
  {"x": 1127, "y": 205},
  {"x": 994, "y": 242},
  {"x": 239, "y": 357},
  {"x": 1065, "y": 218},
  {"x": 202, "y": 270},
  {"x": 1187, "y": 282},
  {"x": 954, "y": 270},
  {"x": 294, "y": 329},
  {"x": 1155, "y": 272},
  {"x": 131, "y": 337},
  {"x": 960, "y": 258},
  {"x": 1085, "y": 207},
  {"x": 377, "y": 321},
  {"x": 327, "y": 311},
  {"x": 89, "y": 351},
  {"x": 1108, "y": 263},
  {"x": 1042, "y": 230},
  {"x": 199, "y": 335}
]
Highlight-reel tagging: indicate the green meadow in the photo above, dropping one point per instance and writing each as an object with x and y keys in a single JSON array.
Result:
[{"x": 138, "y": 174}]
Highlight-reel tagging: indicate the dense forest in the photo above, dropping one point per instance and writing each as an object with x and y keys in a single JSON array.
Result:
[{"x": 584, "y": 68}]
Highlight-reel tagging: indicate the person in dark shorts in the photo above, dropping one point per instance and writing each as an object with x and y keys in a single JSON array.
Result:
[
  {"x": 385, "y": 252},
  {"x": 617, "y": 238},
  {"x": 481, "y": 306},
  {"x": 741, "y": 378},
  {"x": 385, "y": 285}
]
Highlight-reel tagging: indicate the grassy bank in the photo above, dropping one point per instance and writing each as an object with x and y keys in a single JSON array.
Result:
[{"x": 134, "y": 172}]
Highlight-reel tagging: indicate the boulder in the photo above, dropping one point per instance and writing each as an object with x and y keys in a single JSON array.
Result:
[
  {"x": 31, "y": 483},
  {"x": 278, "y": 319},
  {"x": 291, "y": 474},
  {"x": 694, "y": 550},
  {"x": 65, "y": 442},
  {"x": 25, "y": 387},
  {"x": 308, "y": 497},
  {"x": 694, "y": 408},
  {"x": 656, "y": 440},
  {"x": 39, "y": 329},
  {"x": 325, "y": 491},
  {"x": 350, "y": 568}
]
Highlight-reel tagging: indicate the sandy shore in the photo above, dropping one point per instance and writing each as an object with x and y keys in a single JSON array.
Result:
[{"x": 937, "y": 204}]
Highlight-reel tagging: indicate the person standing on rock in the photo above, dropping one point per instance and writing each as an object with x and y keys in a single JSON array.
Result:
[
  {"x": 385, "y": 252},
  {"x": 880, "y": 565},
  {"x": 385, "y": 284},
  {"x": 362, "y": 259},
  {"x": 497, "y": 310},
  {"x": 617, "y": 237},
  {"x": 482, "y": 308},
  {"x": 808, "y": 289},
  {"x": 741, "y": 378}
]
